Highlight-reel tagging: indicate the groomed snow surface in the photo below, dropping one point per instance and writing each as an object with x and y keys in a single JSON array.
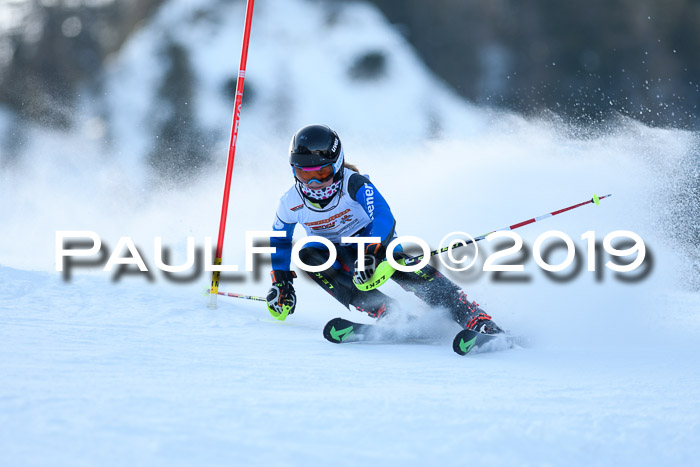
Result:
[{"x": 100, "y": 374}]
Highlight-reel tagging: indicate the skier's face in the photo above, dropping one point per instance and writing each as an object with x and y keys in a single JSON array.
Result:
[{"x": 315, "y": 177}]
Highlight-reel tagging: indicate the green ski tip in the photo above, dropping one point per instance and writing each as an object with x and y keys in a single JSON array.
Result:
[
  {"x": 596, "y": 200},
  {"x": 342, "y": 334},
  {"x": 466, "y": 346}
]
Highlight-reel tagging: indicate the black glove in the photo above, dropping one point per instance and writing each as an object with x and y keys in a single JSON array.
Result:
[
  {"x": 374, "y": 254},
  {"x": 281, "y": 299}
]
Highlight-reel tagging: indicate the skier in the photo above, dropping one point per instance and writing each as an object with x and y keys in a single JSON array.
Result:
[{"x": 332, "y": 200}]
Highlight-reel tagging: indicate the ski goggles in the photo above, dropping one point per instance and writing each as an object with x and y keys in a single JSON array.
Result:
[{"x": 319, "y": 174}]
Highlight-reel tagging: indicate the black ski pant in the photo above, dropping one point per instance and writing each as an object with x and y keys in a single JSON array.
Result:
[{"x": 428, "y": 284}]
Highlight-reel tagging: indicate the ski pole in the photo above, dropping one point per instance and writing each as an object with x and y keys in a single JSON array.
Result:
[
  {"x": 596, "y": 199},
  {"x": 236, "y": 295},
  {"x": 231, "y": 152}
]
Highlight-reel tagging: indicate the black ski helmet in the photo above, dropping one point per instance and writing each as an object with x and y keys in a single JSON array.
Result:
[{"x": 317, "y": 146}]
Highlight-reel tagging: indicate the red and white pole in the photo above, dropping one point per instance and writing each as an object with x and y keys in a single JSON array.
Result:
[
  {"x": 231, "y": 152},
  {"x": 595, "y": 200}
]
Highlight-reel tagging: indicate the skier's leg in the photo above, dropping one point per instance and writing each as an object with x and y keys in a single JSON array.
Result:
[
  {"x": 337, "y": 280},
  {"x": 435, "y": 289}
]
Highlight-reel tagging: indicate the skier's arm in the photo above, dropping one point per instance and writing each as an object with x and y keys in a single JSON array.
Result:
[
  {"x": 376, "y": 207},
  {"x": 282, "y": 256},
  {"x": 281, "y": 299}
]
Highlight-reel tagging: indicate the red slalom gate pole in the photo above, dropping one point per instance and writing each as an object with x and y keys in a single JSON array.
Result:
[{"x": 231, "y": 152}]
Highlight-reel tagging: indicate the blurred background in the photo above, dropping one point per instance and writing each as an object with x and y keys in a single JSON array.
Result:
[{"x": 581, "y": 59}]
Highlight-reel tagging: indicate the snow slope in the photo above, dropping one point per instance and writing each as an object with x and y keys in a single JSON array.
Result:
[
  {"x": 98, "y": 374},
  {"x": 107, "y": 370}
]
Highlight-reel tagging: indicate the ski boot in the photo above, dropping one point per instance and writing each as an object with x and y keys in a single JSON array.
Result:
[
  {"x": 377, "y": 306},
  {"x": 471, "y": 317}
]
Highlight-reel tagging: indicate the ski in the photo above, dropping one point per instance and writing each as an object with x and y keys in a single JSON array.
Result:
[
  {"x": 340, "y": 331},
  {"x": 467, "y": 340}
]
